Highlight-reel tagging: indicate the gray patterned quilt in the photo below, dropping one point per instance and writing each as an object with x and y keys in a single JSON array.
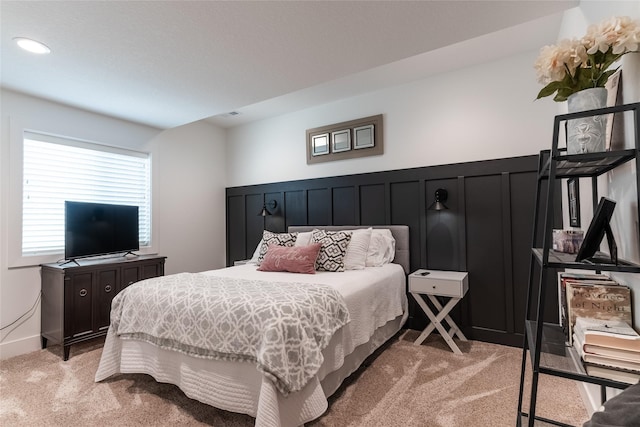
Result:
[{"x": 283, "y": 327}]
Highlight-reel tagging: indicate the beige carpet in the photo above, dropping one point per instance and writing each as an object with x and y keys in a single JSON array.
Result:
[{"x": 404, "y": 385}]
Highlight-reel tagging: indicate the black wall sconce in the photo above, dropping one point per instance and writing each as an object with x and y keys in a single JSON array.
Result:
[
  {"x": 272, "y": 205},
  {"x": 441, "y": 197}
]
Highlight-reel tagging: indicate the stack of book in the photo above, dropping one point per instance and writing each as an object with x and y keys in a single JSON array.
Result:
[
  {"x": 594, "y": 296},
  {"x": 608, "y": 349}
]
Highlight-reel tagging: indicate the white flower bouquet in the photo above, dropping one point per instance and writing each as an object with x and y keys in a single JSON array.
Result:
[{"x": 574, "y": 65}]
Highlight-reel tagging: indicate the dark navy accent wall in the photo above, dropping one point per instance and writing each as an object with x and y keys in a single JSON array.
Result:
[{"x": 486, "y": 230}]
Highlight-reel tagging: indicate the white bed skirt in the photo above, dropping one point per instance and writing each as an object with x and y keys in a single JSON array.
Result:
[{"x": 239, "y": 386}]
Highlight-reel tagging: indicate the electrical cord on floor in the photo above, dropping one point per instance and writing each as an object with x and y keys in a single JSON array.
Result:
[{"x": 28, "y": 313}]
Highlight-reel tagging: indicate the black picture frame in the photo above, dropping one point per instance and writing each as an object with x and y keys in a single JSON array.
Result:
[
  {"x": 598, "y": 227},
  {"x": 573, "y": 194}
]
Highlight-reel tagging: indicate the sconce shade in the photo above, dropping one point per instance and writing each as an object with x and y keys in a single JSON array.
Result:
[
  {"x": 265, "y": 212},
  {"x": 441, "y": 197}
]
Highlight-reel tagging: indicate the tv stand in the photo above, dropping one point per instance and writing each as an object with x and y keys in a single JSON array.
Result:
[{"x": 76, "y": 299}]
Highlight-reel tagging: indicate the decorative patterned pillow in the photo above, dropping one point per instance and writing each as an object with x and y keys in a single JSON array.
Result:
[
  {"x": 334, "y": 248},
  {"x": 280, "y": 239},
  {"x": 296, "y": 259}
]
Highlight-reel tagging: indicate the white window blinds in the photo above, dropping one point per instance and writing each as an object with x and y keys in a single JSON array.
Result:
[{"x": 57, "y": 169}]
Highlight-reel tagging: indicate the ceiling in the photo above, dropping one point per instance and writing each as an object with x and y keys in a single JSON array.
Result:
[{"x": 168, "y": 63}]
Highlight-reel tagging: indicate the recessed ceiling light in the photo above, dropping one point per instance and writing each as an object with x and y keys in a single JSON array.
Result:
[{"x": 31, "y": 45}]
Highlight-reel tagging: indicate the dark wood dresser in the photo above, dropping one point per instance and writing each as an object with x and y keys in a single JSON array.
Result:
[{"x": 76, "y": 298}]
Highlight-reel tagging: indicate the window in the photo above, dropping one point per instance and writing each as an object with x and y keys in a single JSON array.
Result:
[{"x": 57, "y": 169}]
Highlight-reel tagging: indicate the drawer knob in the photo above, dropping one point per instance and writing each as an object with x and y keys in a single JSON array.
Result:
[
  {"x": 107, "y": 288},
  {"x": 434, "y": 286},
  {"x": 83, "y": 292}
]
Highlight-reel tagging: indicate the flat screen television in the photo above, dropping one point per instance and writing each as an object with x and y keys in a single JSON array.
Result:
[
  {"x": 98, "y": 229},
  {"x": 598, "y": 227}
]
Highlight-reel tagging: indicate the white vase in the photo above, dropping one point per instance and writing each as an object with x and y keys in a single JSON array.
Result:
[{"x": 587, "y": 134}]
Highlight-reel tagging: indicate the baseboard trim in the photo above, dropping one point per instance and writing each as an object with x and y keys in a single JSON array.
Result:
[
  {"x": 18, "y": 347},
  {"x": 590, "y": 394}
]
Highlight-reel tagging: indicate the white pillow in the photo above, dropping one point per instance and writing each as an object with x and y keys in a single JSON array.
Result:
[
  {"x": 382, "y": 248},
  {"x": 256, "y": 253},
  {"x": 304, "y": 239},
  {"x": 356, "y": 256}
]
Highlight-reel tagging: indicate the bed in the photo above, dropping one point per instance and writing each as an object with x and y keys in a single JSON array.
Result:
[{"x": 376, "y": 301}]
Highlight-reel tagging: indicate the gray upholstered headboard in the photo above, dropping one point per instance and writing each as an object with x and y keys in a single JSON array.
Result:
[{"x": 399, "y": 232}]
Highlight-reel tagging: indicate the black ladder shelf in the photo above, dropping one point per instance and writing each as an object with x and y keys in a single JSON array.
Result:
[{"x": 544, "y": 342}]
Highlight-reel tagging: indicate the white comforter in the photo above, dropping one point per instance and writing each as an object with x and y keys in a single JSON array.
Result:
[
  {"x": 281, "y": 326},
  {"x": 375, "y": 298}
]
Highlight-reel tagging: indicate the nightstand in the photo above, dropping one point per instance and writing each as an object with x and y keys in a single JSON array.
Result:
[{"x": 433, "y": 283}]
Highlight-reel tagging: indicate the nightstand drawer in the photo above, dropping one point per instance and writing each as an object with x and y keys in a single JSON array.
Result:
[{"x": 442, "y": 283}]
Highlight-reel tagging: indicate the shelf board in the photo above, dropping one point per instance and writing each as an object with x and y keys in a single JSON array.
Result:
[
  {"x": 586, "y": 165},
  {"x": 540, "y": 421},
  {"x": 560, "y": 359},
  {"x": 564, "y": 260}
]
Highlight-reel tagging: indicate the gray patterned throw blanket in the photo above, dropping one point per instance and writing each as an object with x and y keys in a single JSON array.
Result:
[{"x": 283, "y": 327}]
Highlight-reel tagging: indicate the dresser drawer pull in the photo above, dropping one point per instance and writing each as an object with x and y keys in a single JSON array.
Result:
[
  {"x": 107, "y": 288},
  {"x": 83, "y": 292}
]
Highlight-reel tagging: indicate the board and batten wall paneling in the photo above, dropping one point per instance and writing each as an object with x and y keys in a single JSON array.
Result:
[
  {"x": 236, "y": 228},
  {"x": 405, "y": 209},
  {"x": 372, "y": 197},
  {"x": 443, "y": 233},
  {"x": 523, "y": 190},
  {"x": 344, "y": 205},
  {"x": 254, "y": 223},
  {"x": 295, "y": 207},
  {"x": 486, "y": 229},
  {"x": 275, "y": 221},
  {"x": 318, "y": 206},
  {"x": 485, "y": 253}
]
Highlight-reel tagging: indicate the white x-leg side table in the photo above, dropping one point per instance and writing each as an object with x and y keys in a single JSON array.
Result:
[{"x": 433, "y": 283}]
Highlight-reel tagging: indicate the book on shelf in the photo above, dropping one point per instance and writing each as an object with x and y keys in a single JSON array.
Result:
[
  {"x": 600, "y": 301},
  {"x": 612, "y": 334},
  {"x": 565, "y": 277},
  {"x": 622, "y": 361},
  {"x": 622, "y": 375},
  {"x": 610, "y": 351}
]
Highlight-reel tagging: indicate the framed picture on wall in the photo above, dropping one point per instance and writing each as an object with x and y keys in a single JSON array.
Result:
[
  {"x": 320, "y": 144},
  {"x": 573, "y": 191},
  {"x": 363, "y": 137},
  {"x": 341, "y": 141}
]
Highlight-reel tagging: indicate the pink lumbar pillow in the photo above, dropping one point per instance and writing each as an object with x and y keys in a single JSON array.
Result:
[{"x": 295, "y": 259}]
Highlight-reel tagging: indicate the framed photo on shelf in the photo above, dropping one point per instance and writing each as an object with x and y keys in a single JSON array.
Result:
[
  {"x": 614, "y": 137},
  {"x": 573, "y": 192}
]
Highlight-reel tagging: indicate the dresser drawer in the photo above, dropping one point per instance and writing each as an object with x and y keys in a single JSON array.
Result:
[{"x": 442, "y": 283}]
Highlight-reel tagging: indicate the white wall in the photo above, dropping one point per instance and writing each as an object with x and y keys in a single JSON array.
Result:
[
  {"x": 191, "y": 186},
  {"x": 188, "y": 198},
  {"x": 478, "y": 113}
]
